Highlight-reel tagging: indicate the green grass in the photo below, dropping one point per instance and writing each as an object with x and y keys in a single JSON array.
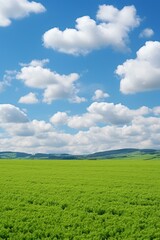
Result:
[{"x": 94, "y": 200}]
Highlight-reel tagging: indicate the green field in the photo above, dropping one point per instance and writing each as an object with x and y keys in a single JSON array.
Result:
[{"x": 96, "y": 200}]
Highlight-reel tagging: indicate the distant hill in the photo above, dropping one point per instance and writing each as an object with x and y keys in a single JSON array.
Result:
[
  {"x": 20, "y": 155},
  {"x": 123, "y": 153},
  {"x": 111, "y": 154}
]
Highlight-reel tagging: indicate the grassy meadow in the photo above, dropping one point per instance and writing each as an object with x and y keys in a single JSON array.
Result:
[{"x": 96, "y": 200}]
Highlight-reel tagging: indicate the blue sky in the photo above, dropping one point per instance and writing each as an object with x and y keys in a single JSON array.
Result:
[{"x": 79, "y": 76}]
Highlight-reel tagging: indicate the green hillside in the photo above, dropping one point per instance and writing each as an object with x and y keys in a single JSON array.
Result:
[{"x": 112, "y": 154}]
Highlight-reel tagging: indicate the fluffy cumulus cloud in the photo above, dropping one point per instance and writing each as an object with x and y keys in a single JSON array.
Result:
[
  {"x": 111, "y": 29},
  {"x": 100, "y": 112},
  {"x": 30, "y": 98},
  {"x": 11, "y": 114},
  {"x": 142, "y": 73},
  {"x": 36, "y": 63},
  {"x": 141, "y": 130},
  {"x": 54, "y": 85},
  {"x": 15, "y": 9},
  {"x": 117, "y": 114},
  {"x": 99, "y": 95},
  {"x": 31, "y": 128},
  {"x": 156, "y": 110},
  {"x": 59, "y": 118},
  {"x": 18, "y": 133},
  {"x": 146, "y": 33}
]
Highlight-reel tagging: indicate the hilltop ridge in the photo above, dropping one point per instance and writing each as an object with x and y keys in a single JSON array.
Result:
[{"x": 110, "y": 154}]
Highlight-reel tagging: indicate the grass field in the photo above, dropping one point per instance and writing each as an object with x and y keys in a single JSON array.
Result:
[{"x": 96, "y": 200}]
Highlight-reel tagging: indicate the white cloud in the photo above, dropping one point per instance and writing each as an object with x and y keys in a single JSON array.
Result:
[
  {"x": 156, "y": 110},
  {"x": 88, "y": 35},
  {"x": 139, "y": 131},
  {"x": 30, "y": 98},
  {"x": 36, "y": 63},
  {"x": 140, "y": 134},
  {"x": 99, "y": 95},
  {"x": 59, "y": 118},
  {"x": 98, "y": 113},
  {"x": 55, "y": 85},
  {"x": 30, "y": 136},
  {"x": 77, "y": 99},
  {"x": 137, "y": 135},
  {"x": 87, "y": 120},
  {"x": 31, "y": 128},
  {"x": 7, "y": 79},
  {"x": 76, "y": 121},
  {"x": 146, "y": 33},
  {"x": 142, "y": 73},
  {"x": 16, "y": 9},
  {"x": 117, "y": 114},
  {"x": 11, "y": 114}
]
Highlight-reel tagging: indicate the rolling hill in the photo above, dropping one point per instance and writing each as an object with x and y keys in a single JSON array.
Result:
[{"x": 111, "y": 154}]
